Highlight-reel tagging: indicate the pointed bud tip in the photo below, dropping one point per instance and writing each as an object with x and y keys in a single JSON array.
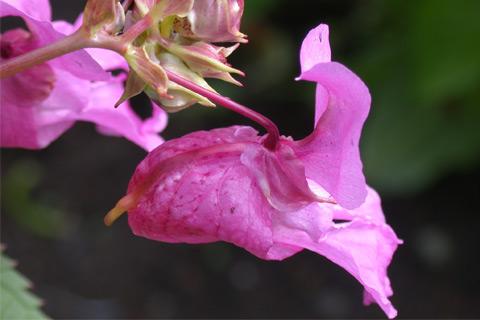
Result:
[{"x": 166, "y": 95}]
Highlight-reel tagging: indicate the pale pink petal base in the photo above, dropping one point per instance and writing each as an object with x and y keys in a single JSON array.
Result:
[{"x": 280, "y": 175}]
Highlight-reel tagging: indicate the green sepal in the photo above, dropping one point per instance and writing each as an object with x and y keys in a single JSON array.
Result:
[
  {"x": 149, "y": 71},
  {"x": 204, "y": 58},
  {"x": 134, "y": 86},
  {"x": 182, "y": 97}
]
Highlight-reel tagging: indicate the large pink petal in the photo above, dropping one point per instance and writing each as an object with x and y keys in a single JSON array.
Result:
[
  {"x": 364, "y": 247},
  {"x": 38, "y": 125},
  {"x": 365, "y": 250},
  {"x": 58, "y": 112},
  {"x": 73, "y": 99},
  {"x": 370, "y": 211},
  {"x": 37, "y": 9},
  {"x": 19, "y": 128},
  {"x": 331, "y": 153},
  {"x": 38, "y": 80}
]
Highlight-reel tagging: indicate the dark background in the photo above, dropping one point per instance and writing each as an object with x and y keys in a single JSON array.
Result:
[{"x": 421, "y": 151}]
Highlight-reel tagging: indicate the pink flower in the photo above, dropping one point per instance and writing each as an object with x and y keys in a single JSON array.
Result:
[
  {"x": 225, "y": 185},
  {"x": 41, "y": 103}
]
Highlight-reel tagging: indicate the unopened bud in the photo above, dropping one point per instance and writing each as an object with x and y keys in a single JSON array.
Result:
[
  {"x": 213, "y": 21},
  {"x": 103, "y": 14},
  {"x": 206, "y": 59}
]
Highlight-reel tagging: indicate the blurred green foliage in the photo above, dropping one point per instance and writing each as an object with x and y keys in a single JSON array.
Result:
[
  {"x": 35, "y": 214},
  {"x": 421, "y": 61}
]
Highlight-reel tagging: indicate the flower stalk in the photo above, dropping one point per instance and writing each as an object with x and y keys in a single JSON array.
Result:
[{"x": 273, "y": 136}]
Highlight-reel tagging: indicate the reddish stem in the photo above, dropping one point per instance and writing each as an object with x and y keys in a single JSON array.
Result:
[
  {"x": 273, "y": 135},
  {"x": 70, "y": 43}
]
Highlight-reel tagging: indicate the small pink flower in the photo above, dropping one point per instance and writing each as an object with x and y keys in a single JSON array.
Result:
[
  {"x": 225, "y": 185},
  {"x": 41, "y": 103}
]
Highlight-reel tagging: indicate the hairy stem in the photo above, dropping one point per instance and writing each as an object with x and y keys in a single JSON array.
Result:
[{"x": 273, "y": 135}]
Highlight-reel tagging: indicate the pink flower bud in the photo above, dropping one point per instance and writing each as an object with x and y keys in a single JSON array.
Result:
[
  {"x": 105, "y": 14},
  {"x": 213, "y": 21}
]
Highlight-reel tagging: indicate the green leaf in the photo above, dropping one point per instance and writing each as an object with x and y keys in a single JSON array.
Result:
[{"x": 16, "y": 302}]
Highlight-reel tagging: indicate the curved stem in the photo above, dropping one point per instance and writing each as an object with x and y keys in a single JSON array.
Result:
[
  {"x": 273, "y": 135},
  {"x": 73, "y": 42}
]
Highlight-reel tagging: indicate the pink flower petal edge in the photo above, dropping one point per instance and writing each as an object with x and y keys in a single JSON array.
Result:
[
  {"x": 37, "y": 9},
  {"x": 364, "y": 246}
]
